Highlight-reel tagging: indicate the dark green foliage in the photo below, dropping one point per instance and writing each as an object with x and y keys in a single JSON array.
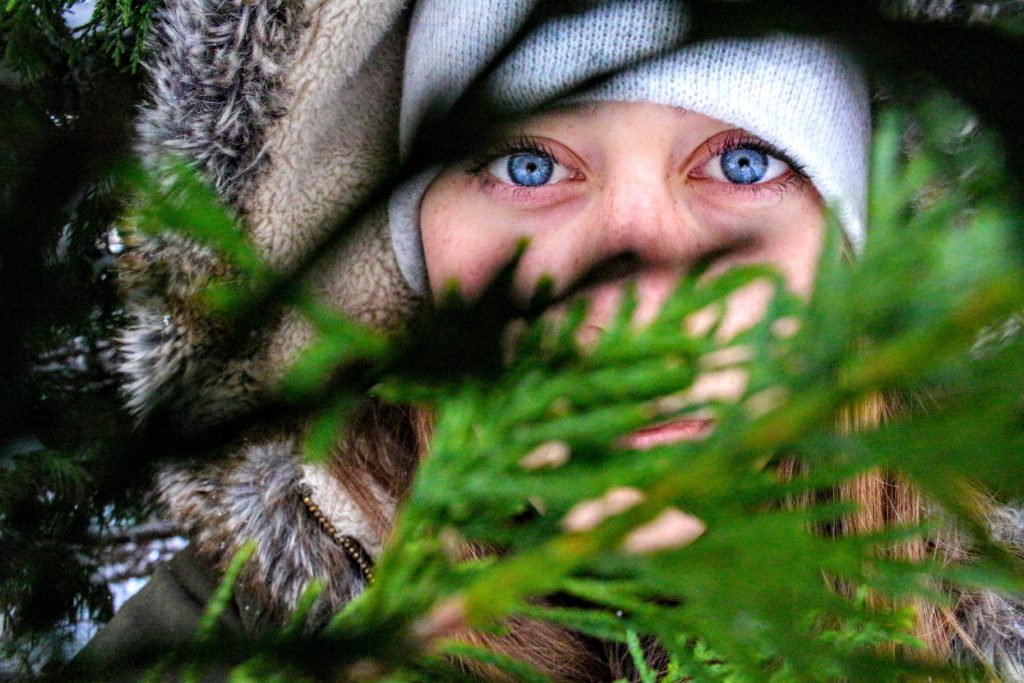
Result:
[
  {"x": 65, "y": 101},
  {"x": 750, "y": 587},
  {"x": 39, "y": 45}
]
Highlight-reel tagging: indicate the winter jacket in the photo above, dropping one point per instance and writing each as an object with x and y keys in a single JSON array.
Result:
[{"x": 290, "y": 109}]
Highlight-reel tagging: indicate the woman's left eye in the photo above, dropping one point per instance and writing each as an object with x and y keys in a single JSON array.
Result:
[
  {"x": 528, "y": 169},
  {"x": 745, "y": 166}
]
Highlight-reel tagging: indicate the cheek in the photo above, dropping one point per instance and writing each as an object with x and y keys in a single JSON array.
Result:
[
  {"x": 463, "y": 241},
  {"x": 789, "y": 238},
  {"x": 786, "y": 232},
  {"x": 797, "y": 248}
]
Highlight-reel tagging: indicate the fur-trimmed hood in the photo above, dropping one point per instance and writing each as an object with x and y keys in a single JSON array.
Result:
[
  {"x": 262, "y": 496},
  {"x": 290, "y": 109}
]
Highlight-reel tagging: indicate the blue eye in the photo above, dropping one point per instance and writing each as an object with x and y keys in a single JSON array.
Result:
[
  {"x": 745, "y": 166},
  {"x": 530, "y": 170}
]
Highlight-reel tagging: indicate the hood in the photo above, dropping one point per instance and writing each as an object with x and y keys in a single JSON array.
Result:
[{"x": 290, "y": 110}]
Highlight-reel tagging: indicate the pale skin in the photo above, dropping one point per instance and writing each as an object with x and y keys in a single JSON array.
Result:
[
  {"x": 631, "y": 180},
  {"x": 624, "y": 192}
]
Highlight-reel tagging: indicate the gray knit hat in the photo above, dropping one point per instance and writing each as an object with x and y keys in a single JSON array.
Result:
[{"x": 804, "y": 95}]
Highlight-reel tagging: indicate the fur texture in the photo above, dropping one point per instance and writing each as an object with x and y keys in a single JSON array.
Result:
[
  {"x": 291, "y": 112},
  {"x": 215, "y": 87},
  {"x": 337, "y": 142},
  {"x": 169, "y": 353},
  {"x": 260, "y": 498},
  {"x": 991, "y": 625},
  {"x": 237, "y": 85}
]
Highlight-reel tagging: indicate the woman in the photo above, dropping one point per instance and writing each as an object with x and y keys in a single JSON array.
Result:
[
  {"x": 685, "y": 155},
  {"x": 622, "y": 153}
]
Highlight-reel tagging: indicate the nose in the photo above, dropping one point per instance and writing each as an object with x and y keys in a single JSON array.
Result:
[
  {"x": 637, "y": 226},
  {"x": 635, "y": 217}
]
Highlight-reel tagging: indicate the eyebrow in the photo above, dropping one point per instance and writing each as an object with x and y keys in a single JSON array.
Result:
[
  {"x": 577, "y": 110},
  {"x": 583, "y": 110},
  {"x": 586, "y": 110}
]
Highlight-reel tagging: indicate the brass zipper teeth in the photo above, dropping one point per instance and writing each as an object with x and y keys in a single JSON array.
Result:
[{"x": 347, "y": 543}]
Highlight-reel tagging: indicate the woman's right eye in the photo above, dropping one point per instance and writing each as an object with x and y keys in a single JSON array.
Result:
[
  {"x": 528, "y": 169},
  {"x": 745, "y": 166}
]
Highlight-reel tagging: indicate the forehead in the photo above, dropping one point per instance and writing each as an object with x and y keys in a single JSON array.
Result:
[
  {"x": 586, "y": 110},
  {"x": 614, "y": 120}
]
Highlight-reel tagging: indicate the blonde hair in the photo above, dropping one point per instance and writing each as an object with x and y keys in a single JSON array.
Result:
[{"x": 885, "y": 499}]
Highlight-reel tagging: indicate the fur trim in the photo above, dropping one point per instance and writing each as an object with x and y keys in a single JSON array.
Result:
[
  {"x": 216, "y": 82},
  {"x": 169, "y": 353},
  {"x": 216, "y": 86},
  {"x": 224, "y": 74},
  {"x": 992, "y": 624},
  {"x": 258, "y": 497}
]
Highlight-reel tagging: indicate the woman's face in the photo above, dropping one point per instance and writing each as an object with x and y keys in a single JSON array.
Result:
[{"x": 612, "y": 193}]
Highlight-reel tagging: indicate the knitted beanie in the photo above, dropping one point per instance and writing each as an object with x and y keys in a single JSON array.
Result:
[{"x": 804, "y": 95}]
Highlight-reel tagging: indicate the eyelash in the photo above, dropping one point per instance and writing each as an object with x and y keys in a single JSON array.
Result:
[
  {"x": 737, "y": 139},
  {"x": 716, "y": 146},
  {"x": 524, "y": 144}
]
